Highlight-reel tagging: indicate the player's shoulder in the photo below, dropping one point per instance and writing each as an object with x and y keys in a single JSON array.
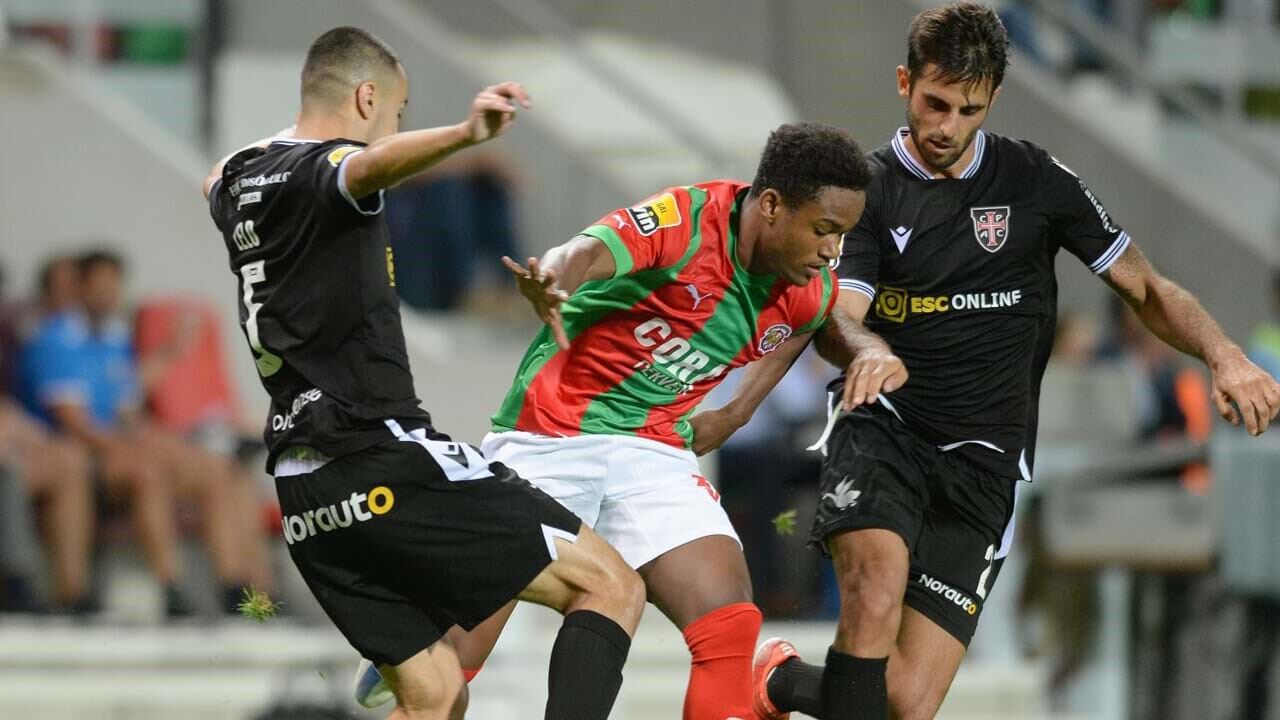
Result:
[
  {"x": 681, "y": 207},
  {"x": 1017, "y": 151}
]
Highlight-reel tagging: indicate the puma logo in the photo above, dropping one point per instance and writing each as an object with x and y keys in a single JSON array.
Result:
[{"x": 697, "y": 298}]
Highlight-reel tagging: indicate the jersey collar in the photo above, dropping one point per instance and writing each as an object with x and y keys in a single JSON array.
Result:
[{"x": 915, "y": 168}]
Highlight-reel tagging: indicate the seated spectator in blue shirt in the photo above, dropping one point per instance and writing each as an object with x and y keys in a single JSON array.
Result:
[{"x": 79, "y": 374}]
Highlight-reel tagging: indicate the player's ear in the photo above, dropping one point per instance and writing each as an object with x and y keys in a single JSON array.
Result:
[
  {"x": 364, "y": 99},
  {"x": 904, "y": 82},
  {"x": 770, "y": 205}
]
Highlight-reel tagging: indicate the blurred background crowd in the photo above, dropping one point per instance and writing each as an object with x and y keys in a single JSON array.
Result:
[{"x": 133, "y": 506}]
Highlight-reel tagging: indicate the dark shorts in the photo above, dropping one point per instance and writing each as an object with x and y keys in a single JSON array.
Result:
[
  {"x": 405, "y": 539},
  {"x": 952, "y": 514}
]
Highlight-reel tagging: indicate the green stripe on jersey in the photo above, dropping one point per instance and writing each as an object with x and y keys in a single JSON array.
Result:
[
  {"x": 820, "y": 318},
  {"x": 730, "y": 328},
  {"x": 622, "y": 260},
  {"x": 593, "y": 301}
]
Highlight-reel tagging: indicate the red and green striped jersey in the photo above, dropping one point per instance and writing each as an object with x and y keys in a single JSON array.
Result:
[{"x": 647, "y": 344}]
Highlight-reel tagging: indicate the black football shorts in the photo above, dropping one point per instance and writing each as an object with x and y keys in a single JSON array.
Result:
[
  {"x": 951, "y": 513},
  {"x": 407, "y": 538}
]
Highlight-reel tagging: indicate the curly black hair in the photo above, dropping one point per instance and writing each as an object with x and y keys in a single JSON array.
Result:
[
  {"x": 964, "y": 41},
  {"x": 801, "y": 159}
]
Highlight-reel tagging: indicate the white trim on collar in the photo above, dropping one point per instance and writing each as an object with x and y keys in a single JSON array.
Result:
[{"x": 915, "y": 168}]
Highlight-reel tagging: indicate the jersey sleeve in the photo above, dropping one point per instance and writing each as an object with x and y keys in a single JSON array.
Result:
[
  {"x": 327, "y": 173},
  {"x": 654, "y": 234},
  {"x": 859, "y": 266},
  {"x": 1078, "y": 221}
]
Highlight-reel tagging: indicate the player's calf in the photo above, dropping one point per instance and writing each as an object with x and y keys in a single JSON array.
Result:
[
  {"x": 602, "y": 599},
  {"x": 871, "y": 569}
]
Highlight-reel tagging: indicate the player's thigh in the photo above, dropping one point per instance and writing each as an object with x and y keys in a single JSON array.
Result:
[
  {"x": 656, "y": 500},
  {"x": 922, "y": 667},
  {"x": 872, "y": 478},
  {"x": 464, "y": 535},
  {"x": 475, "y": 646},
  {"x": 696, "y": 578},
  {"x": 958, "y": 556},
  {"x": 570, "y": 470},
  {"x": 426, "y": 684},
  {"x": 583, "y": 564}
]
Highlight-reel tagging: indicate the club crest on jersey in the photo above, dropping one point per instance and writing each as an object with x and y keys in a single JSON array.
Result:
[
  {"x": 990, "y": 226},
  {"x": 773, "y": 337},
  {"x": 653, "y": 215}
]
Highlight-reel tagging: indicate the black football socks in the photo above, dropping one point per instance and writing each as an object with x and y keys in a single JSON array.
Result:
[
  {"x": 848, "y": 688},
  {"x": 586, "y": 667}
]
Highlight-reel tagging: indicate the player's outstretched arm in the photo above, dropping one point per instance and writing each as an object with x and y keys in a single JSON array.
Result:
[
  {"x": 389, "y": 160},
  {"x": 1177, "y": 318},
  {"x": 711, "y": 428},
  {"x": 549, "y": 281},
  {"x": 871, "y": 366}
]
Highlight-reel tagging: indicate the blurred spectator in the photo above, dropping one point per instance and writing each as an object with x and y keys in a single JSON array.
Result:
[
  {"x": 52, "y": 474},
  {"x": 761, "y": 468},
  {"x": 447, "y": 221},
  {"x": 80, "y": 375},
  {"x": 1264, "y": 345}
]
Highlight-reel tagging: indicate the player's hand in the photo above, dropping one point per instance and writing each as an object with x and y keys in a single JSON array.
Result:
[
  {"x": 1255, "y": 394},
  {"x": 494, "y": 109},
  {"x": 711, "y": 428},
  {"x": 873, "y": 372},
  {"x": 539, "y": 288}
]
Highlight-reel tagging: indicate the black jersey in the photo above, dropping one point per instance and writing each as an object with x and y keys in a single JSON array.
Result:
[
  {"x": 315, "y": 286},
  {"x": 962, "y": 278}
]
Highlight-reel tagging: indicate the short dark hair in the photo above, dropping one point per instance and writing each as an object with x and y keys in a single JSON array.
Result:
[
  {"x": 965, "y": 41},
  {"x": 91, "y": 260},
  {"x": 342, "y": 58},
  {"x": 801, "y": 159}
]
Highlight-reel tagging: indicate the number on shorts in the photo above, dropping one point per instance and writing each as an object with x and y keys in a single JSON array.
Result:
[
  {"x": 268, "y": 363},
  {"x": 982, "y": 579}
]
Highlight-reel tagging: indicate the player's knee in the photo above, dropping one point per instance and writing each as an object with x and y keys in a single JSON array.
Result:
[
  {"x": 431, "y": 697},
  {"x": 623, "y": 586},
  {"x": 867, "y": 596}
]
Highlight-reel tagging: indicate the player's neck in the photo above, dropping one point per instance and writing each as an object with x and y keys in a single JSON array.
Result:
[
  {"x": 748, "y": 235},
  {"x": 952, "y": 171},
  {"x": 328, "y": 127}
]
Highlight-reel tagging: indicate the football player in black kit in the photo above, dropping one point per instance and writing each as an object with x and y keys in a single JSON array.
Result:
[
  {"x": 399, "y": 532},
  {"x": 949, "y": 275}
]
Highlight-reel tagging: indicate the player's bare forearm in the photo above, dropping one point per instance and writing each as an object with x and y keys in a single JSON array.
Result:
[
  {"x": 870, "y": 366},
  {"x": 395, "y": 158},
  {"x": 1167, "y": 309},
  {"x": 844, "y": 337},
  {"x": 711, "y": 428},
  {"x": 580, "y": 260},
  {"x": 762, "y": 376},
  {"x": 390, "y": 160},
  {"x": 1241, "y": 390}
]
